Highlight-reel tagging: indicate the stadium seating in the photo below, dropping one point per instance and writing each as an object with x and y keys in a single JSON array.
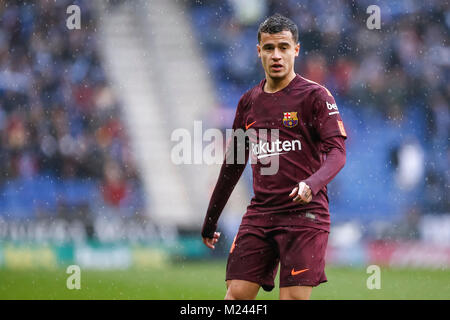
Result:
[
  {"x": 59, "y": 121},
  {"x": 381, "y": 111},
  {"x": 61, "y": 124}
]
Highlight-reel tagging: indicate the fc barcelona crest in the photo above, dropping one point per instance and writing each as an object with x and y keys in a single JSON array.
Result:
[{"x": 290, "y": 119}]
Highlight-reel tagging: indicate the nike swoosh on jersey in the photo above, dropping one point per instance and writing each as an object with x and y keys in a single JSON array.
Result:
[{"x": 249, "y": 125}]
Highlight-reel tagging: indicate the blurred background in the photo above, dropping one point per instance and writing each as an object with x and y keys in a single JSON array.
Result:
[{"x": 87, "y": 122}]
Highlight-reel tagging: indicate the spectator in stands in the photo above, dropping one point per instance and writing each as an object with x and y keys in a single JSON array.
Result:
[{"x": 58, "y": 116}]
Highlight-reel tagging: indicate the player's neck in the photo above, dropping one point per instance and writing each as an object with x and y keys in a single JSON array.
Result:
[{"x": 273, "y": 85}]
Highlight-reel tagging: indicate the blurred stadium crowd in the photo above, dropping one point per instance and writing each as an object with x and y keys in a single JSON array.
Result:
[
  {"x": 392, "y": 87},
  {"x": 63, "y": 147}
]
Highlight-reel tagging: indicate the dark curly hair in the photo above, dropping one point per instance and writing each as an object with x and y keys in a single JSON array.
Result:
[{"x": 277, "y": 23}]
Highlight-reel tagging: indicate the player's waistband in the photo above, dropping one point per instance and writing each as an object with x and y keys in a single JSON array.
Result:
[{"x": 314, "y": 219}]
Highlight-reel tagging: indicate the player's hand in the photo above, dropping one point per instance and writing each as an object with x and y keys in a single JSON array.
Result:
[
  {"x": 210, "y": 242},
  {"x": 301, "y": 193}
]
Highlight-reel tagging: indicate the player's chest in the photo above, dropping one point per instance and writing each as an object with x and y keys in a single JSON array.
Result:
[{"x": 278, "y": 112}]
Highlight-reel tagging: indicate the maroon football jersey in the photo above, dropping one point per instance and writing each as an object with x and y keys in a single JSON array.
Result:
[{"x": 305, "y": 115}]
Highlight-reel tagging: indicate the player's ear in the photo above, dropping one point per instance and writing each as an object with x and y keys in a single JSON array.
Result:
[
  {"x": 258, "y": 48},
  {"x": 297, "y": 49}
]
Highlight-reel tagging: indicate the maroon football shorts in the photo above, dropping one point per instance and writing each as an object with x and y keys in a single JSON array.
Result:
[{"x": 257, "y": 251}]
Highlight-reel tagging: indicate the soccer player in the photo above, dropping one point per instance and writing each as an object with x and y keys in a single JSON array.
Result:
[{"x": 287, "y": 222}]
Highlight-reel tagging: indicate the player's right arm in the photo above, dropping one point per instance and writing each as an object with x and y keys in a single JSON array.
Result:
[{"x": 229, "y": 175}]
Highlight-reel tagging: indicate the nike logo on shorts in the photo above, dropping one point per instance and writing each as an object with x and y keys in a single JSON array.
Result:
[{"x": 294, "y": 273}]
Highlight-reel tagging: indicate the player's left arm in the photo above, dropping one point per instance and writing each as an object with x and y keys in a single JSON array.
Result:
[
  {"x": 334, "y": 162},
  {"x": 330, "y": 128}
]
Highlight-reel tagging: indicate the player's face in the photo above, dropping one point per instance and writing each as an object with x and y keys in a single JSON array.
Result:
[{"x": 277, "y": 52}]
